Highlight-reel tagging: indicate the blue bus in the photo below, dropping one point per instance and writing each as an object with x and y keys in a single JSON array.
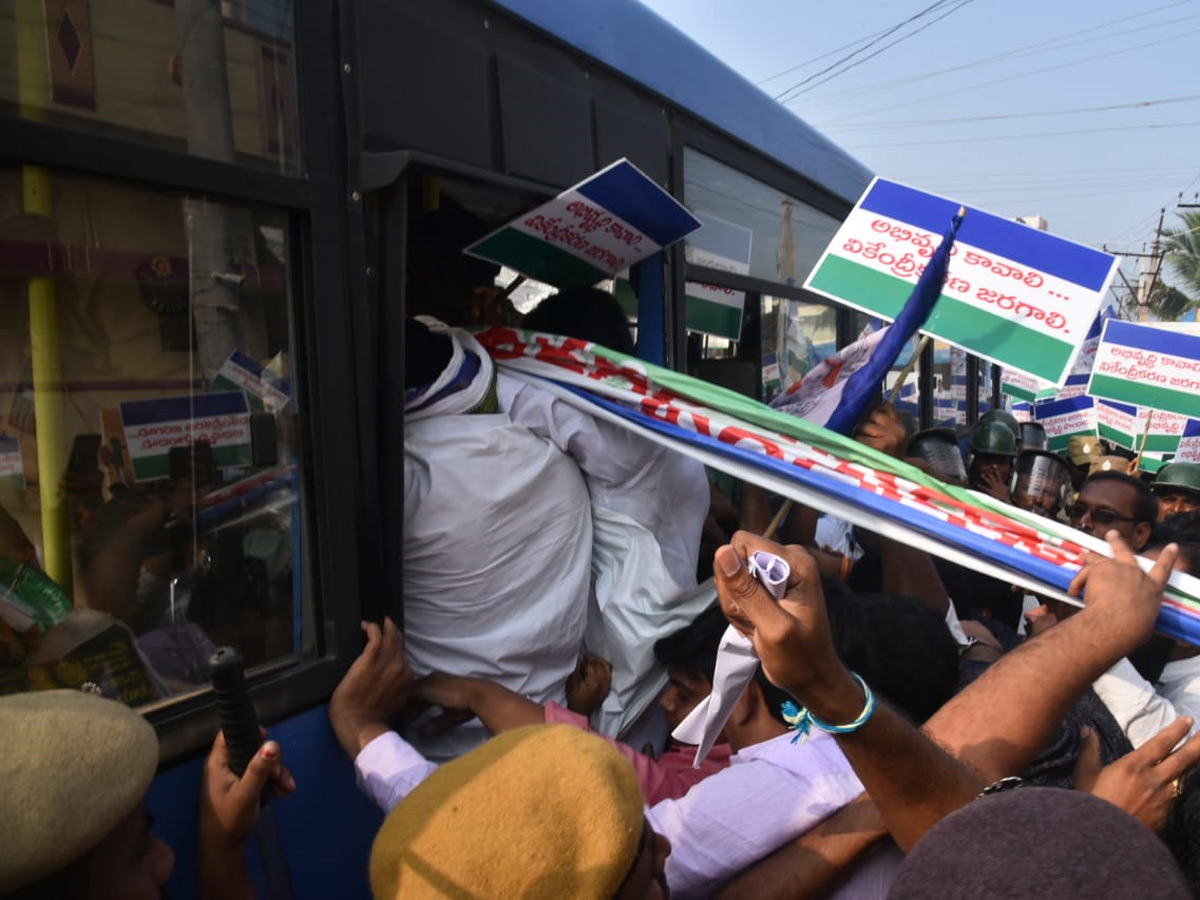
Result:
[{"x": 207, "y": 209}]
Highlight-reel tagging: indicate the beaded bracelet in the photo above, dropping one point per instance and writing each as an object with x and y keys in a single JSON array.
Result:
[{"x": 802, "y": 721}]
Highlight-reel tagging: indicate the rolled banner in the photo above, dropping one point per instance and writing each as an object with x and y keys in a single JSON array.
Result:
[
  {"x": 736, "y": 664},
  {"x": 771, "y": 571}
]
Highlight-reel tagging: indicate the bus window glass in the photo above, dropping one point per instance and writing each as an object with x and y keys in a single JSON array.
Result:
[
  {"x": 949, "y": 385},
  {"x": 796, "y": 335},
  {"x": 214, "y": 80},
  {"x": 149, "y": 476},
  {"x": 762, "y": 231},
  {"x": 985, "y": 385},
  {"x": 908, "y": 401},
  {"x": 524, "y": 293}
]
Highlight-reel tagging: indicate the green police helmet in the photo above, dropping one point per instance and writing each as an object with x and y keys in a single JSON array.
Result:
[
  {"x": 1179, "y": 476},
  {"x": 994, "y": 437},
  {"x": 1001, "y": 415}
]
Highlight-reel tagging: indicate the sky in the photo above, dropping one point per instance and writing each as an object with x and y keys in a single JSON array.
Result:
[{"x": 1085, "y": 112}]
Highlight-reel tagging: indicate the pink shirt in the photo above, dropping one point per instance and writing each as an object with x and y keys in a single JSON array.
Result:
[{"x": 667, "y": 778}]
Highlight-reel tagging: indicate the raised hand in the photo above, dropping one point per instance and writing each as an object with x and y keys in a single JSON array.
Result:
[
  {"x": 589, "y": 684},
  {"x": 1127, "y": 597},
  {"x": 791, "y": 636},
  {"x": 996, "y": 485},
  {"x": 373, "y": 690},
  {"x": 1145, "y": 782}
]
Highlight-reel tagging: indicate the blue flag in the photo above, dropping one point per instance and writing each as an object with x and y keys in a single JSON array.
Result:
[{"x": 863, "y": 386}]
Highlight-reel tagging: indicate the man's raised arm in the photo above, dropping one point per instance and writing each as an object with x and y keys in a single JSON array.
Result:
[{"x": 996, "y": 726}]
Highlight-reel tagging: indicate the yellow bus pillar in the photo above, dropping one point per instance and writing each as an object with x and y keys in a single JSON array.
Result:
[{"x": 33, "y": 85}]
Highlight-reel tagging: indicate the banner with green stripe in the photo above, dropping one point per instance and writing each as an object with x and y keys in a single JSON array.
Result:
[
  {"x": 1149, "y": 367},
  {"x": 1014, "y": 295}
]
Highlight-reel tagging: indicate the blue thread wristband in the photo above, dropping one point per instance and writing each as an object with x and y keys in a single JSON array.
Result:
[{"x": 802, "y": 721}]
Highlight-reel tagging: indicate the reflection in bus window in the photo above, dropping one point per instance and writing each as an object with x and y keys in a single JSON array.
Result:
[
  {"x": 796, "y": 335},
  {"x": 908, "y": 400},
  {"x": 786, "y": 235},
  {"x": 148, "y": 471},
  {"x": 985, "y": 385},
  {"x": 216, "y": 80},
  {"x": 949, "y": 385}
]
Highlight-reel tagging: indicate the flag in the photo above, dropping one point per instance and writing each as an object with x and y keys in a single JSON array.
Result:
[
  {"x": 863, "y": 386},
  {"x": 817, "y": 467},
  {"x": 816, "y": 396}
]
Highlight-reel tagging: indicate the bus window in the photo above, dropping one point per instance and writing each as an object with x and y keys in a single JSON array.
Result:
[
  {"x": 787, "y": 235},
  {"x": 149, "y": 472},
  {"x": 908, "y": 401},
  {"x": 796, "y": 335},
  {"x": 214, "y": 80},
  {"x": 525, "y": 294},
  {"x": 949, "y": 385},
  {"x": 986, "y": 398}
]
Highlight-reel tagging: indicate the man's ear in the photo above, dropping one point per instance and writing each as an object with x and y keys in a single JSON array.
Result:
[{"x": 1141, "y": 535}]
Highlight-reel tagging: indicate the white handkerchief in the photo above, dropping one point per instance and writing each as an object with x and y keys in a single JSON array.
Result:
[{"x": 736, "y": 663}]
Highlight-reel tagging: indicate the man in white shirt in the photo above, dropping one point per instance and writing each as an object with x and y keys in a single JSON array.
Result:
[
  {"x": 489, "y": 489},
  {"x": 1143, "y": 709},
  {"x": 773, "y": 791},
  {"x": 497, "y": 534}
]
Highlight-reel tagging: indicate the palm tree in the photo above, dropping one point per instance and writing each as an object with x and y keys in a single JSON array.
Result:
[
  {"x": 1181, "y": 251},
  {"x": 1168, "y": 304}
]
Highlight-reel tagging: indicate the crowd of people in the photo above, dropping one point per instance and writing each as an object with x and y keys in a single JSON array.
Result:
[{"x": 913, "y": 727}]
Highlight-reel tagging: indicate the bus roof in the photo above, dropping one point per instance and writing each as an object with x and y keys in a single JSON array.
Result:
[{"x": 629, "y": 37}]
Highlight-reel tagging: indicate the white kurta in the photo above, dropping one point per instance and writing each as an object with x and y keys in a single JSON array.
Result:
[
  {"x": 648, "y": 509},
  {"x": 497, "y": 559}
]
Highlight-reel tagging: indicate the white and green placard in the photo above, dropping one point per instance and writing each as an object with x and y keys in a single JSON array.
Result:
[
  {"x": 1014, "y": 295},
  {"x": 1137, "y": 428},
  {"x": 265, "y": 391},
  {"x": 1119, "y": 423},
  {"x": 1064, "y": 419},
  {"x": 1024, "y": 387},
  {"x": 154, "y": 427},
  {"x": 712, "y": 309},
  {"x": 1153, "y": 462},
  {"x": 1147, "y": 366},
  {"x": 591, "y": 231}
]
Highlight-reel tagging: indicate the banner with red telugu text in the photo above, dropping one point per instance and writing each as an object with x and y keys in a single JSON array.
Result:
[
  {"x": 154, "y": 427},
  {"x": 1147, "y": 366},
  {"x": 591, "y": 231},
  {"x": 817, "y": 467},
  {"x": 1014, "y": 295}
]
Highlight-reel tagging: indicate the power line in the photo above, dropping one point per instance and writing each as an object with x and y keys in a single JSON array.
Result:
[
  {"x": 1049, "y": 189},
  {"x": 1018, "y": 53},
  {"x": 923, "y": 123},
  {"x": 879, "y": 37},
  {"x": 1055, "y": 40},
  {"x": 1082, "y": 176},
  {"x": 1051, "y": 173},
  {"x": 1011, "y": 137},
  {"x": 993, "y": 83},
  {"x": 816, "y": 59},
  {"x": 898, "y": 40}
]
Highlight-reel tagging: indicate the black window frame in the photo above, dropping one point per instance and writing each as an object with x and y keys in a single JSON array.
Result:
[
  {"x": 687, "y": 133},
  {"x": 330, "y": 321}
]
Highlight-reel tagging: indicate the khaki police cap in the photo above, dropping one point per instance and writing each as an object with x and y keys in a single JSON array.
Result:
[{"x": 72, "y": 766}]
